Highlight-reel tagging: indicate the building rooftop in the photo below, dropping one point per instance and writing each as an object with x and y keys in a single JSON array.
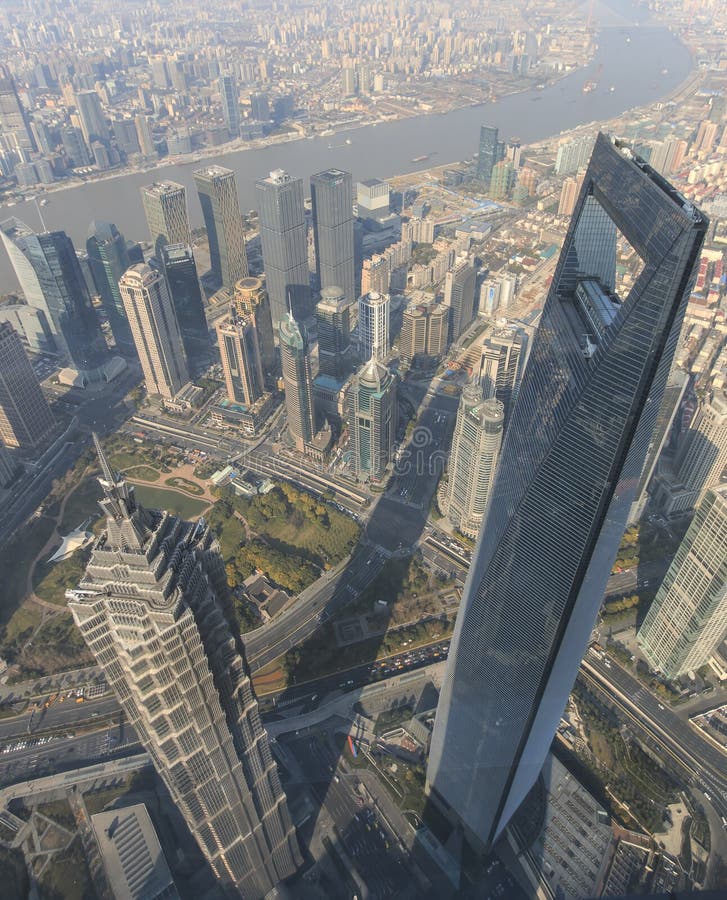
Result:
[{"x": 132, "y": 855}]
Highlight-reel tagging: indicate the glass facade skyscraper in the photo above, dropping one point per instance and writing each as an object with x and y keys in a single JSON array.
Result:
[
  {"x": 51, "y": 278},
  {"x": 284, "y": 245},
  {"x": 688, "y": 618},
  {"x": 570, "y": 464},
  {"x": 488, "y": 154},
  {"x": 332, "y": 207},
  {"x": 108, "y": 259},
  {"x": 230, "y": 105},
  {"x": 221, "y": 210},
  {"x": 165, "y": 208},
  {"x": 183, "y": 280}
]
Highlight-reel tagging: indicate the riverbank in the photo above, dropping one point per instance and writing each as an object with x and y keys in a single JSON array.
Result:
[{"x": 387, "y": 148}]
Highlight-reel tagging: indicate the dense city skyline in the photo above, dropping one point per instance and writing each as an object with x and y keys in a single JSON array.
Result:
[{"x": 363, "y": 449}]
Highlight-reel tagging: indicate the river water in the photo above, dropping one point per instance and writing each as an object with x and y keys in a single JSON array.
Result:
[{"x": 634, "y": 68}]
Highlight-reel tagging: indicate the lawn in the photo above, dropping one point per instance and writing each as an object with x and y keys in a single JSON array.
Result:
[
  {"x": 67, "y": 876},
  {"x": 15, "y": 560},
  {"x": 56, "y": 647},
  {"x": 52, "y": 580},
  {"x": 229, "y": 530},
  {"x": 171, "y": 500},
  {"x": 145, "y": 473},
  {"x": 81, "y": 504}
]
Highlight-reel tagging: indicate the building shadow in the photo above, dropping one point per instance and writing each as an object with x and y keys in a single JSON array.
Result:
[{"x": 357, "y": 643}]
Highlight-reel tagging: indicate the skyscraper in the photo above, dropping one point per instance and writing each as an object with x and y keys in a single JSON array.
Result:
[
  {"x": 221, "y": 210},
  {"x": 424, "y": 333},
  {"x": 165, "y": 208},
  {"x": 50, "y": 275},
  {"x": 230, "y": 105},
  {"x": 372, "y": 419},
  {"x": 25, "y": 417},
  {"x": 284, "y": 245},
  {"x": 297, "y": 378},
  {"x": 373, "y": 325},
  {"x": 333, "y": 314},
  {"x": 144, "y": 135},
  {"x": 688, "y": 618},
  {"x": 13, "y": 117},
  {"x": 473, "y": 460},
  {"x": 459, "y": 296},
  {"x": 151, "y": 609},
  {"x": 240, "y": 355},
  {"x": 568, "y": 471},
  {"x": 108, "y": 259},
  {"x": 701, "y": 457},
  {"x": 673, "y": 395},
  {"x": 251, "y": 300},
  {"x": 501, "y": 366},
  {"x": 183, "y": 281},
  {"x": 93, "y": 121},
  {"x": 332, "y": 206},
  {"x": 489, "y": 153},
  {"x": 155, "y": 329}
]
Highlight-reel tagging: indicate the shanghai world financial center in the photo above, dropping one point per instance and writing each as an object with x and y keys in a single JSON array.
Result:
[{"x": 569, "y": 467}]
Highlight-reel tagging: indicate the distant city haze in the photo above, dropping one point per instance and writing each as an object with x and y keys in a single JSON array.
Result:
[{"x": 634, "y": 69}]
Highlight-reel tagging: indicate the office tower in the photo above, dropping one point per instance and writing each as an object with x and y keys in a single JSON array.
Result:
[
  {"x": 50, "y": 275},
  {"x": 259, "y": 107},
  {"x": 165, "y": 208},
  {"x": 573, "y": 156},
  {"x": 348, "y": 81},
  {"x": 473, "y": 460},
  {"x": 459, "y": 297},
  {"x": 160, "y": 73},
  {"x": 251, "y": 300},
  {"x": 284, "y": 245},
  {"x": 333, "y": 314},
  {"x": 108, "y": 259},
  {"x": 8, "y": 467},
  {"x": 372, "y": 419},
  {"x": 424, "y": 333},
  {"x": 298, "y": 382},
  {"x": 25, "y": 417},
  {"x": 155, "y": 329},
  {"x": 151, "y": 608},
  {"x": 501, "y": 366},
  {"x": 75, "y": 147},
  {"x": 570, "y": 462},
  {"x": 221, "y": 210},
  {"x": 373, "y": 325},
  {"x": 688, "y": 619},
  {"x": 375, "y": 275},
  {"x": 673, "y": 396},
  {"x": 181, "y": 272},
  {"x": 568, "y": 197},
  {"x": 240, "y": 355},
  {"x": 332, "y": 204},
  {"x": 13, "y": 117},
  {"x": 702, "y": 457},
  {"x": 230, "y": 105},
  {"x": 144, "y": 135},
  {"x": 125, "y": 135},
  {"x": 502, "y": 180},
  {"x": 489, "y": 153},
  {"x": 93, "y": 121},
  {"x": 372, "y": 199}
]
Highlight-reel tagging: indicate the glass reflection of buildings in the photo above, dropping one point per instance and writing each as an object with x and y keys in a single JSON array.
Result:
[{"x": 570, "y": 464}]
